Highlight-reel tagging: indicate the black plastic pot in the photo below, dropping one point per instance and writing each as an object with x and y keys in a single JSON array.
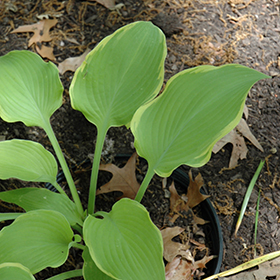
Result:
[
  {"x": 209, "y": 214},
  {"x": 207, "y": 209}
]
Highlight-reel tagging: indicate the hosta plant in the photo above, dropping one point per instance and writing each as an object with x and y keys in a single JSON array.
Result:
[{"x": 116, "y": 85}]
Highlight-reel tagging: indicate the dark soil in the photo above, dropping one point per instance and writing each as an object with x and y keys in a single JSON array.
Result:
[{"x": 198, "y": 32}]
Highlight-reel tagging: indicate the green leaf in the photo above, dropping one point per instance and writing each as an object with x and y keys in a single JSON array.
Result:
[
  {"x": 15, "y": 271},
  {"x": 124, "y": 243},
  {"x": 9, "y": 216},
  {"x": 34, "y": 199},
  {"x": 197, "y": 108},
  {"x": 30, "y": 89},
  {"x": 26, "y": 160},
  {"x": 90, "y": 270},
  {"x": 37, "y": 239},
  {"x": 124, "y": 71}
]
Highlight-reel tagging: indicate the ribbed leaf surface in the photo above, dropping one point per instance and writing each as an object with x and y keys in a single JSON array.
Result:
[
  {"x": 15, "y": 271},
  {"x": 37, "y": 239},
  {"x": 123, "y": 72},
  {"x": 90, "y": 270},
  {"x": 26, "y": 160},
  {"x": 30, "y": 89},
  {"x": 197, "y": 108},
  {"x": 34, "y": 199},
  {"x": 125, "y": 244}
]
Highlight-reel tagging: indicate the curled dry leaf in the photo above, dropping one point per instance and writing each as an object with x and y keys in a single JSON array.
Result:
[
  {"x": 72, "y": 63},
  {"x": 181, "y": 205},
  {"x": 123, "y": 180},
  {"x": 236, "y": 137},
  {"x": 41, "y": 31},
  {"x": 171, "y": 248},
  {"x": 110, "y": 4},
  {"x": 194, "y": 195},
  {"x": 180, "y": 268}
]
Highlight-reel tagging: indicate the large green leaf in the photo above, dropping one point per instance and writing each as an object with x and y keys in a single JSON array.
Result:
[
  {"x": 90, "y": 270},
  {"x": 37, "y": 239},
  {"x": 197, "y": 108},
  {"x": 34, "y": 199},
  {"x": 15, "y": 271},
  {"x": 30, "y": 89},
  {"x": 124, "y": 243},
  {"x": 124, "y": 71},
  {"x": 26, "y": 160}
]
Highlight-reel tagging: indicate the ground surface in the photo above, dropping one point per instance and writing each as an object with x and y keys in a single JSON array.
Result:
[{"x": 198, "y": 32}]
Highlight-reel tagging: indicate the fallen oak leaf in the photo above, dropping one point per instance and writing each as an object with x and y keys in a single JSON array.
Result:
[
  {"x": 239, "y": 148},
  {"x": 45, "y": 52},
  {"x": 72, "y": 63},
  {"x": 123, "y": 180},
  {"x": 236, "y": 138},
  {"x": 180, "y": 268},
  {"x": 244, "y": 129},
  {"x": 172, "y": 249},
  {"x": 40, "y": 29},
  {"x": 179, "y": 206},
  {"x": 194, "y": 195}
]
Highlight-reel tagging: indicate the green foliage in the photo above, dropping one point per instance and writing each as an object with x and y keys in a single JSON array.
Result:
[
  {"x": 37, "y": 239},
  {"x": 122, "y": 73},
  {"x": 15, "y": 271},
  {"x": 116, "y": 85},
  {"x": 91, "y": 270},
  {"x": 34, "y": 199},
  {"x": 123, "y": 230},
  {"x": 31, "y": 90},
  {"x": 26, "y": 160}
]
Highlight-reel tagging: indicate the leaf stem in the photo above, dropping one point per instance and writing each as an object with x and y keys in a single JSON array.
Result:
[
  {"x": 67, "y": 275},
  {"x": 149, "y": 175},
  {"x": 64, "y": 167},
  {"x": 59, "y": 188},
  {"x": 79, "y": 246},
  {"x": 95, "y": 167}
]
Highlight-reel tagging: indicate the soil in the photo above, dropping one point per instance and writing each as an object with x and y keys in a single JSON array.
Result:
[{"x": 198, "y": 32}]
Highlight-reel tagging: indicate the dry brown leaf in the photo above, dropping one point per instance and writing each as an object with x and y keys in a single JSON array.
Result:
[
  {"x": 244, "y": 129},
  {"x": 123, "y": 180},
  {"x": 40, "y": 29},
  {"x": 41, "y": 34},
  {"x": 239, "y": 150},
  {"x": 246, "y": 112},
  {"x": 72, "y": 63},
  {"x": 177, "y": 204},
  {"x": 110, "y": 4},
  {"x": 180, "y": 268},
  {"x": 171, "y": 248},
  {"x": 194, "y": 195},
  {"x": 181, "y": 205},
  {"x": 198, "y": 245},
  {"x": 45, "y": 52}
]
